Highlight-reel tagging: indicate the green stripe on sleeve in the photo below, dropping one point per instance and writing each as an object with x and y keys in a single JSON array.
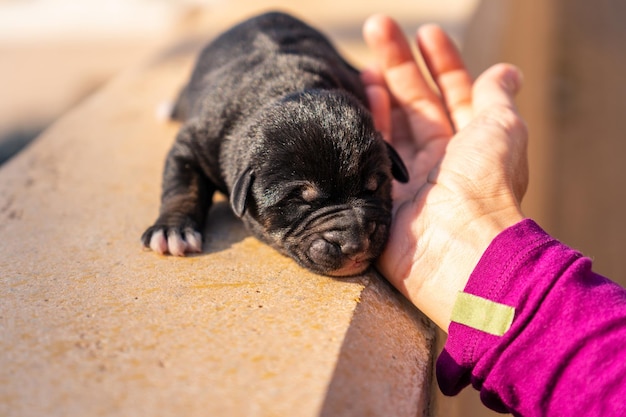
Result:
[{"x": 482, "y": 314}]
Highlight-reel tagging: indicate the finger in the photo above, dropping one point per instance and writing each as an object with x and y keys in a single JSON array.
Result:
[
  {"x": 497, "y": 86},
  {"x": 380, "y": 106},
  {"x": 378, "y": 99},
  {"x": 403, "y": 77},
  {"x": 448, "y": 71},
  {"x": 373, "y": 76}
]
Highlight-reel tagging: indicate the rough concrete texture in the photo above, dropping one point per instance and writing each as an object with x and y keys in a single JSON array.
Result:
[{"x": 92, "y": 325}]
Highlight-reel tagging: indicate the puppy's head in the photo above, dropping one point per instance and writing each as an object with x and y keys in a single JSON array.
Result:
[{"x": 319, "y": 185}]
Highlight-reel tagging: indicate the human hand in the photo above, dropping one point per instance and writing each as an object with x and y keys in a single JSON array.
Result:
[{"x": 465, "y": 148}]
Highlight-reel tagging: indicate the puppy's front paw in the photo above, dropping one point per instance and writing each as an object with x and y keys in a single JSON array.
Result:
[{"x": 172, "y": 240}]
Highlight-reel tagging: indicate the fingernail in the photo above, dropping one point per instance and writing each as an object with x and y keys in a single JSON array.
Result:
[{"x": 514, "y": 78}]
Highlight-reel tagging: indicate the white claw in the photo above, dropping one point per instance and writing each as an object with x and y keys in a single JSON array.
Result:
[
  {"x": 163, "y": 111},
  {"x": 176, "y": 244},
  {"x": 158, "y": 243},
  {"x": 194, "y": 240}
]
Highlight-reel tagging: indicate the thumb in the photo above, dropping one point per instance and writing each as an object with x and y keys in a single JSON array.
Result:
[
  {"x": 497, "y": 86},
  {"x": 502, "y": 130}
]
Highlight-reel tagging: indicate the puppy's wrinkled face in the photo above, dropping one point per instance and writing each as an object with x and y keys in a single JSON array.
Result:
[{"x": 321, "y": 184}]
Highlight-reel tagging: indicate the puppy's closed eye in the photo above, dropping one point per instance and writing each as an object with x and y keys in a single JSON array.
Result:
[
  {"x": 296, "y": 192},
  {"x": 310, "y": 193},
  {"x": 372, "y": 183}
]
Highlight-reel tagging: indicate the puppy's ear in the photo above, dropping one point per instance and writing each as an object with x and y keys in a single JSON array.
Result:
[
  {"x": 240, "y": 191},
  {"x": 398, "y": 169}
]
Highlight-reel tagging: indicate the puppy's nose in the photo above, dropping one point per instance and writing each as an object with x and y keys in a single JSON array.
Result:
[
  {"x": 353, "y": 247},
  {"x": 350, "y": 243}
]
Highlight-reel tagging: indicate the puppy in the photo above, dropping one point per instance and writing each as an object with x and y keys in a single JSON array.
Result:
[{"x": 277, "y": 120}]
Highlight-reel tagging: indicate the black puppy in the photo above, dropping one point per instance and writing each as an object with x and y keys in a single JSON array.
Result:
[{"x": 276, "y": 119}]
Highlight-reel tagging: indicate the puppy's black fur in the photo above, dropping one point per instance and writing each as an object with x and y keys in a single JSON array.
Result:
[{"x": 275, "y": 118}]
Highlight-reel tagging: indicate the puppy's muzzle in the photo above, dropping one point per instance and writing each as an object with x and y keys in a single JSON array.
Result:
[{"x": 345, "y": 241}]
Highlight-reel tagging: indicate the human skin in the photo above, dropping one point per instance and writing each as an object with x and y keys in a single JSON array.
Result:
[{"x": 465, "y": 147}]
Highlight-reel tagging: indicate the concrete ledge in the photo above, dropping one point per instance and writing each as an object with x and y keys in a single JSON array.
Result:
[{"x": 91, "y": 325}]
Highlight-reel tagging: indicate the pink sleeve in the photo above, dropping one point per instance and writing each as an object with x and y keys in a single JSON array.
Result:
[{"x": 565, "y": 353}]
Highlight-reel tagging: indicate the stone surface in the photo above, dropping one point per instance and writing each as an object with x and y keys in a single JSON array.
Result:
[{"x": 91, "y": 324}]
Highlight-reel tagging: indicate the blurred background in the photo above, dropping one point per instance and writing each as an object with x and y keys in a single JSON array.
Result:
[{"x": 54, "y": 53}]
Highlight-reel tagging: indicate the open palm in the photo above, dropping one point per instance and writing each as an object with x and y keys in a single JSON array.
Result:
[{"x": 465, "y": 148}]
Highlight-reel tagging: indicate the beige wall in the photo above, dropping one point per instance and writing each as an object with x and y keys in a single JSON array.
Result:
[{"x": 573, "y": 54}]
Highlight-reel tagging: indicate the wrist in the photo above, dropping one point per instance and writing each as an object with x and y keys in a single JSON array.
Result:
[{"x": 450, "y": 253}]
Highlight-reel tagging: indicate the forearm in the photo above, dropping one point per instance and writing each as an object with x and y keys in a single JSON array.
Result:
[{"x": 564, "y": 352}]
